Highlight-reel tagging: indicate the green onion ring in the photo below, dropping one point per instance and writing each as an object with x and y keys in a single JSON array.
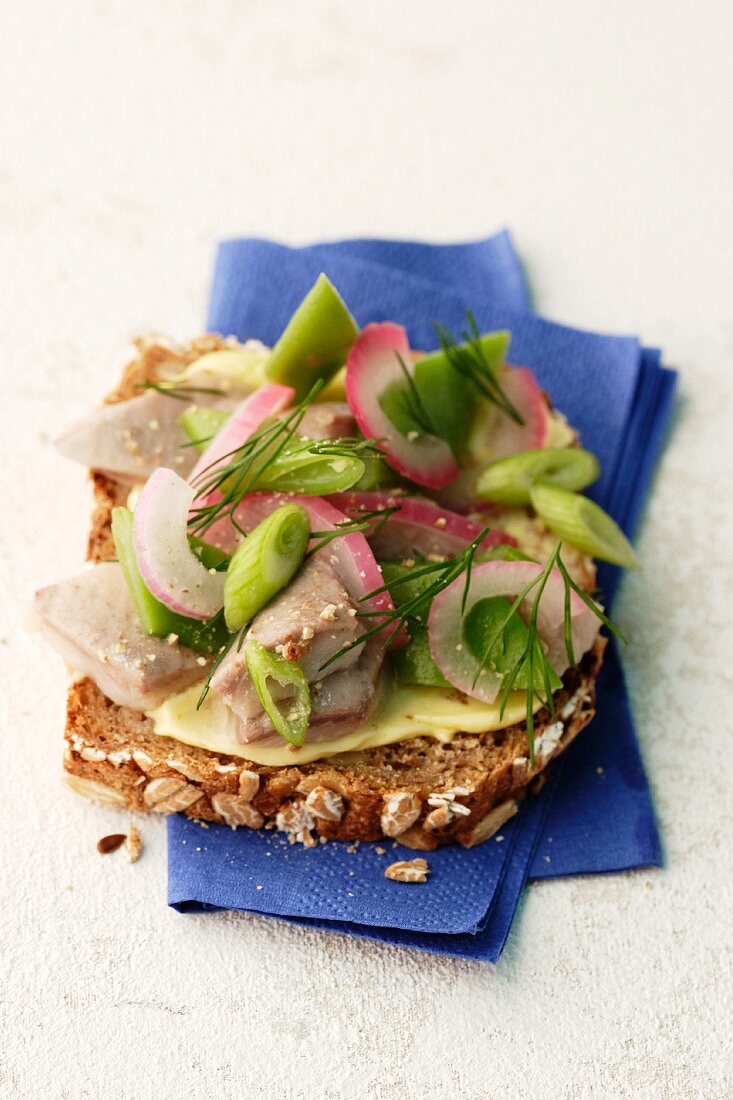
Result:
[
  {"x": 509, "y": 480},
  {"x": 292, "y": 721}
]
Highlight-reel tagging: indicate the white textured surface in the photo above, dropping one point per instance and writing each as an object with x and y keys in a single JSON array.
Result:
[{"x": 131, "y": 137}]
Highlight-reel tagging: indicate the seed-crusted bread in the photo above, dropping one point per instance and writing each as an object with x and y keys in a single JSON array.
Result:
[{"x": 421, "y": 790}]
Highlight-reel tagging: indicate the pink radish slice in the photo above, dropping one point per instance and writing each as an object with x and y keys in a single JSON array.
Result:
[
  {"x": 420, "y": 526},
  {"x": 504, "y": 578},
  {"x": 266, "y": 401},
  {"x": 372, "y": 365},
  {"x": 505, "y": 436},
  {"x": 174, "y": 575},
  {"x": 351, "y": 556}
]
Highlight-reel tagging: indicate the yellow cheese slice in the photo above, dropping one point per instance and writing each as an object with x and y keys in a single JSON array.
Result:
[{"x": 405, "y": 713}]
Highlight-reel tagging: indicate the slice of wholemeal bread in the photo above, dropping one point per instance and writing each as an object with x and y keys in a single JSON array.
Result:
[{"x": 113, "y": 755}]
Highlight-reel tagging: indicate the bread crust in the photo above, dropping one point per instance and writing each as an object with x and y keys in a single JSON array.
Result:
[{"x": 113, "y": 754}]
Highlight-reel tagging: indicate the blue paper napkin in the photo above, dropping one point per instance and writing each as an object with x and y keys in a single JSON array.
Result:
[{"x": 595, "y": 814}]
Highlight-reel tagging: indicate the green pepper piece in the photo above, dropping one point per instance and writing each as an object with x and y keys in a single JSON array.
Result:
[
  {"x": 155, "y": 618},
  {"x": 378, "y": 474},
  {"x": 480, "y": 626},
  {"x": 201, "y": 425},
  {"x": 503, "y": 552},
  {"x": 412, "y": 663},
  {"x": 315, "y": 342}
]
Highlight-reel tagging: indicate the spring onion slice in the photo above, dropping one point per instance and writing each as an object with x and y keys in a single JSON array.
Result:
[
  {"x": 509, "y": 480},
  {"x": 264, "y": 563},
  {"x": 202, "y": 424},
  {"x": 155, "y": 618},
  {"x": 583, "y": 524},
  {"x": 291, "y": 722}
]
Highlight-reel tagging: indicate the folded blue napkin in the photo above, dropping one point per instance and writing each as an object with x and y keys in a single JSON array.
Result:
[{"x": 595, "y": 814}]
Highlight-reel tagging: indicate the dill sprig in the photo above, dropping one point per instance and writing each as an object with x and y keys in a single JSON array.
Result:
[
  {"x": 366, "y": 515},
  {"x": 347, "y": 446},
  {"x": 200, "y": 443},
  {"x": 234, "y": 639},
  {"x": 353, "y": 526},
  {"x": 533, "y": 658},
  {"x": 271, "y": 448},
  {"x": 413, "y": 404},
  {"x": 347, "y": 527},
  {"x": 470, "y": 361},
  {"x": 235, "y": 473},
  {"x": 534, "y": 655},
  {"x": 177, "y": 391},
  {"x": 397, "y": 619}
]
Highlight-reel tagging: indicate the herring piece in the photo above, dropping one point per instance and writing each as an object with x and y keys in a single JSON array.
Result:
[
  {"x": 327, "y": 420},
  {"x": 90, "y": 621},
  {"x": 416, "y": 525},
  {"x": 308, "y": 622},
  {"x": 130, "y": 439}
]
